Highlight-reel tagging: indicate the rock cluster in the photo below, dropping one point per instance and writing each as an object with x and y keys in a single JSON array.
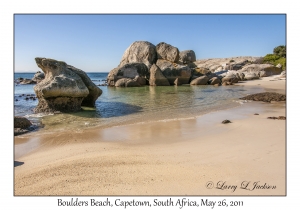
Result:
[
  {"x": 158, "y": 65},
  {"x": 64, "y": 88},
  {"x": 164, "y": 65}
]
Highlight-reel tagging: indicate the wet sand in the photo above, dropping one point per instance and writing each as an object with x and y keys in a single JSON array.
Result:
[{"x": 199, "y": 156}]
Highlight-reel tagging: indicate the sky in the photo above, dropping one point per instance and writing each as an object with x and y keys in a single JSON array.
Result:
[{"x": 96, "y": 43}]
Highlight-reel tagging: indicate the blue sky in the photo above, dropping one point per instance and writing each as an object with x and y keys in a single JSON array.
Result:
[{"x": 96, "y": 43}]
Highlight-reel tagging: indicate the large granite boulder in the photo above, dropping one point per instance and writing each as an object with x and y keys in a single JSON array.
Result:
[
  {"x": 187, "y": 56},
  {"x": 167, "y": 52},
  {"x": 130, "y": 70},
  {"x": 265, "y": 69},
  {"x": 63, "y": 89},
  {"x": 200, "y": 81},
  {"x": 172, "y": 71},
  {"x": 156, "y": 77},
  {"x": 38, "y": 77},
  {"x": 94, "y": 91},
  {"x": 139, "y": 52},
  {"x": 251, "y": 76}
]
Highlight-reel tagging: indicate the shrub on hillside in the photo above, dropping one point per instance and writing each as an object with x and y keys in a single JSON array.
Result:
[
  {"x": 280, "y": 51},
  {"x": 278, "y": 57}
]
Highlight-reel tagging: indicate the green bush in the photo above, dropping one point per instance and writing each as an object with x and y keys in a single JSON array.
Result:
[
  {"x": 278, "y": 57},
  {"x": 282, "y": 61},
  {"x": 280, "y": 51},
  {"x": 271, "y": 58}
]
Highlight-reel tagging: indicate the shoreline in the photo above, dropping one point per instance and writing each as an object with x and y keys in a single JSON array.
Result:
[{"x": 162, "y": 158}]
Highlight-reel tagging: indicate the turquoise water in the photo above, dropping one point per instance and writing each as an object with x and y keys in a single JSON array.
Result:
[{"x": 119, "y": 106}]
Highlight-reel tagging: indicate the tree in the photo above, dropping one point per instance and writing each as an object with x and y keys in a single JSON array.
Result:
[{"x": 280, "y": 51}]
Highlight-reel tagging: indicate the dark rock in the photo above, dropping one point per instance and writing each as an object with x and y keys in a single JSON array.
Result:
[
  {"x": 226, "y": 121},
  {"x": 20, "y": 131},
  {"x": 256, "y": 114},
  {"x": 21, "y": 122},
  {"x": 265, "y": 97},
  {"x": 277, "y": 118}
]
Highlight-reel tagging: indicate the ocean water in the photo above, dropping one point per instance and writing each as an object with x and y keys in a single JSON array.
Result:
[{"x": 121, "y": 106}]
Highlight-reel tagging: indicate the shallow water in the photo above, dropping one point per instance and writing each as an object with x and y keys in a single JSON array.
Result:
[{"x": 119, "y": 106}]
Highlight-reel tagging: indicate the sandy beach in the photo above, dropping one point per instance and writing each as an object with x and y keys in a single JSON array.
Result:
[{"x": 199, "y": 156}]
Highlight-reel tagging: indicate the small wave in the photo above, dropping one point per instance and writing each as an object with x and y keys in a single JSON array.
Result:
[
  {"x": 242, "y": 101},
  {"x": 39, "y": 115}
]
